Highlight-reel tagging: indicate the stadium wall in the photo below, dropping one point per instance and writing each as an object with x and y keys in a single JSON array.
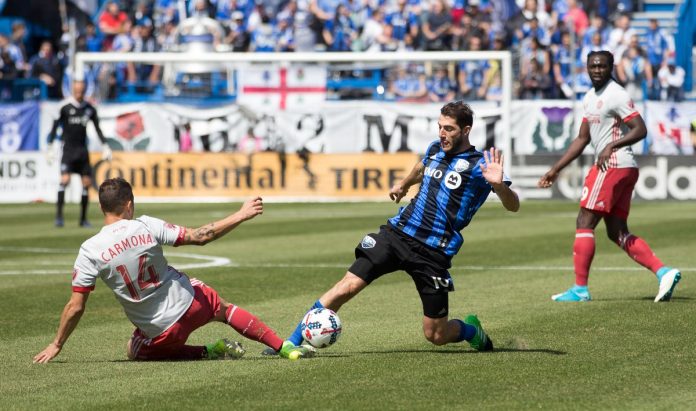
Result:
[{"x": 196, "y": 177}]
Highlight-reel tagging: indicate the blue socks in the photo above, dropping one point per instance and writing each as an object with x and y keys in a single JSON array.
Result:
[
  {"x": 296, "y": 336},
  {"x": 466, "y": 331}
]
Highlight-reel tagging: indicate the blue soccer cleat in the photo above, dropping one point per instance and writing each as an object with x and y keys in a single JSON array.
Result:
[
  {"x": 667, "y": 279},
  {"x": 575, "y": 293},
  {"x": 59, "y": 222}
]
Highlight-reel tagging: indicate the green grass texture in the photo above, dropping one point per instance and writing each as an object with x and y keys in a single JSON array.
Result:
[{"x": 619, "y": 351}]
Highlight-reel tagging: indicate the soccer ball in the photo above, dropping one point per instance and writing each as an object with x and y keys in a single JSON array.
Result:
[{"x": 321, "y": 327}]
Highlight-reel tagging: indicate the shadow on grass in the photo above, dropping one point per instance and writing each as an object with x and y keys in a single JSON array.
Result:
[
  {"x": 469, "y": 351},
  {"x": 673, "y": 299}
]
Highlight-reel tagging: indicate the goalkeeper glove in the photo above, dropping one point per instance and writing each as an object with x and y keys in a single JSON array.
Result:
[
  {"x": 106, "y": 152},
  {"x": 50, "y": 153}
]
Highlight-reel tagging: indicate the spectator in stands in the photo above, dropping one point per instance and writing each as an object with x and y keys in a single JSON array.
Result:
[
  {"x": 18, "y": 37},
  {"x": 286, "y": 38},
  {"x": 339, "y": 33},
  {"x": 532, "y": 29},
  {"x": 142, "y": 15},
  {"x": 305, "y": 36},
  {"x": 596, "y": 44},
  {"x": 534, "y": 82},
  {"x": 46, "y": 67},
  {"x": 672, "y": 81},
  {"x": 93, "y": 40},
  {"x": 440, "y": 87},
  {"x": 659, "y": 46},
  {"x": 563, "y": 65},
  {"x": 13, "y": 51},
  {"x": 408, "y": 86},
  {"x": 634, "y": 71},
  {"x": 265, "y": 38},
  {"x": 533, "y": 53},
  {"x": 373, "y": 31},
  {"x": 596, "y": 26},
  {"x": 471, "y": 74},
  {"x": 8, "y": 69},
  {"x": 531, "y": 10},
  {"x": 238, "y": 36},
  {"x": 436, "y": 27},
  {"x": 620, "y": 36},
  {"x": 123, "y": 43},
  {"x": 147, "y": 43},
  {"x": 403, "y": 21},
  {"x": 111, "y": 23},
  {"x": 577, "y": 15}
]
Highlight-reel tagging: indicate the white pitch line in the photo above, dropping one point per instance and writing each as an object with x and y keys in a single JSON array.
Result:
[
  {"x": 208, "y": 261},
  {"x": 212, "y": 261}
]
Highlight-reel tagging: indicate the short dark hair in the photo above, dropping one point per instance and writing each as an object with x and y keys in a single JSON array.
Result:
[
  {"x": 460, "y": 111},
  {"x": 114, "y": 193},
  {"x": 605, "y": 53}
]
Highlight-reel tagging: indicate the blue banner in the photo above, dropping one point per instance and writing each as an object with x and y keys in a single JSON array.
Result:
[{"x": 19, "y": 127}]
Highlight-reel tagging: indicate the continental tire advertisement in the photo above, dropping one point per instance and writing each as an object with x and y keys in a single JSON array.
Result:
[
  {"x": 27, "y": 177},
  {"x": 284, "y": 176}
]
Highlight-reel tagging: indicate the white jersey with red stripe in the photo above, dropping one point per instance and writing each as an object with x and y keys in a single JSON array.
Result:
[
  {"x": 127, "y": 255},
  {"x": 606, "y": 112}
]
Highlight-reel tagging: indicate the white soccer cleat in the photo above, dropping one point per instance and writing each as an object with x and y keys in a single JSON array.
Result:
[{"x": 668, "y": 278}]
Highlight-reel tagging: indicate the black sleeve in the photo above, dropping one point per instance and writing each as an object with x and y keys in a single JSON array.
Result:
[
  {"x": 60, "y": 120},
  {"x": 95, "y": 120}
]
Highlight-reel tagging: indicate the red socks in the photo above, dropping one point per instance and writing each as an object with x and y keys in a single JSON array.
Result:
[
  {"x": 251, "y": 327},
  {"x": 639, "y": 251},
  {"x": 583, "y": 252}
]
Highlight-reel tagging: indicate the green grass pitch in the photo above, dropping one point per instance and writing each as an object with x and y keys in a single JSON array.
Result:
[{"x": 621, "y": 351}]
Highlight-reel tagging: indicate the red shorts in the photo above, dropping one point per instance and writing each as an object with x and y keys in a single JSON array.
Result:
[
  {"x": 609, "y": 192},
  {"x": 171, "y": 344}
]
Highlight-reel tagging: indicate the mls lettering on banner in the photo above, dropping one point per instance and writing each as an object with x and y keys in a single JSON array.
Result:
[
  {"x": 19, "y": 127},
  {"x": 282, "y": 87}
]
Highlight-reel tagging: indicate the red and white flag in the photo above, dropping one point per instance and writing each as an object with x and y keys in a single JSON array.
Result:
[{"x": 281, "y": 87}]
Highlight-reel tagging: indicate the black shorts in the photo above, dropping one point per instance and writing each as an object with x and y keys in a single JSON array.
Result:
[
  {"x": 390, "y": 250},
  {"x": 76, "y": 164}
]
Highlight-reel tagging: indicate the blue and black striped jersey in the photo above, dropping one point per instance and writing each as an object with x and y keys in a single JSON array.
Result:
[{"x": 451, "y": 192}]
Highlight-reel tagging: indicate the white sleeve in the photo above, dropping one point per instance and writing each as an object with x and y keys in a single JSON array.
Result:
[
  {"x": 85, "y": 272},
  {"x": 624, "y": 107},
  {"x": 164, "y": 232}
]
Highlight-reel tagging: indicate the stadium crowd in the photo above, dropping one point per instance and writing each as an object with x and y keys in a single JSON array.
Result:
[{"x": 549, "y": 39}]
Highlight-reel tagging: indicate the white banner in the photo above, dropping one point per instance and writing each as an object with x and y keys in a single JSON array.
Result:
[
  {"x": 333, "y": 127},
  {"x": 538, "y": 127},
  {"x": 279, "y": 87},
  {"x": 548, "y": 126}
]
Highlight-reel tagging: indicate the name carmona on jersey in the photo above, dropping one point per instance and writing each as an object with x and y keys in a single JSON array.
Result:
[{"x": 125, "y": 244}]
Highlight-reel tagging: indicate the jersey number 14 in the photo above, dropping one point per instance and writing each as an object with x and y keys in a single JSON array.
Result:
[{"x": 147, "y": 277}]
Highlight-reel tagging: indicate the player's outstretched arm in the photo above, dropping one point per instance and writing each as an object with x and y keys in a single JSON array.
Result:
[
  {"x": 400, "y": 189},
  {"x": 68, "y": 321},
  {"x": 492, "y": 170},
  {"x": 576, "y": 148},
  {"x": 212, "y": 231}
]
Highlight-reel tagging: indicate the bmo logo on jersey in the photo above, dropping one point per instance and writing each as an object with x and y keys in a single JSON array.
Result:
[
  {"x": 453, "y": 180},
  {"x": 433, "y": 172}
]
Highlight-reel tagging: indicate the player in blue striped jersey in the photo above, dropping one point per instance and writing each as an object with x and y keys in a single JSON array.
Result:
[{"x": 422, "y": 238}]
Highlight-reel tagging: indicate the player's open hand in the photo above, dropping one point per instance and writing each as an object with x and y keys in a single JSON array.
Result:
[
  {"x": 397, "y": 192},
  {"x": 47, "y": 354},
  {"x": 251, "y": 208},
  {"x": 492, "y": 167},
  {"x": 547, "y": 179}
]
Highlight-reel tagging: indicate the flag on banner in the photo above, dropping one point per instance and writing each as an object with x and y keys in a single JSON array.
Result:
[
  {"x": 282, "y": 87},
  {"x": 19, "y": 127}
]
